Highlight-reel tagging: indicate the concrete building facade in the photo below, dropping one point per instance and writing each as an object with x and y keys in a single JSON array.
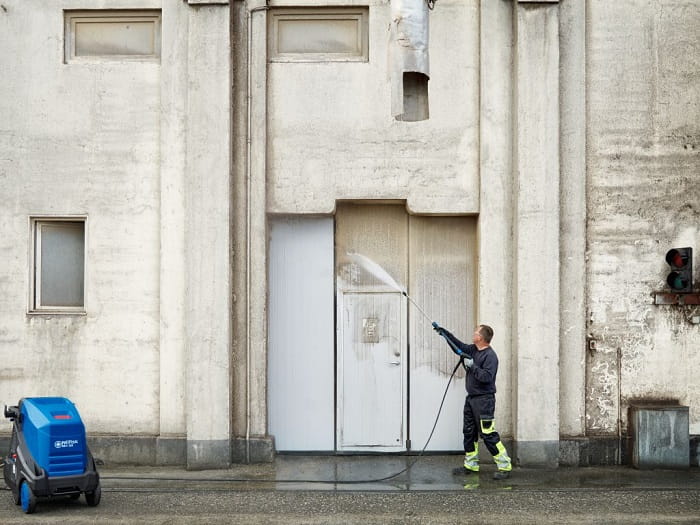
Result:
[{"x": 187, "y": 186}]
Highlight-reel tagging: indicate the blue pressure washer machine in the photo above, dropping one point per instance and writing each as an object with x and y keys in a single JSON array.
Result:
[{"x": 48, "y": 455}]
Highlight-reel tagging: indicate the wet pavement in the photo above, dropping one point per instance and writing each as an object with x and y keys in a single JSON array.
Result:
[
  {"x": 338, "y": 490},
  {"x": 378, "y": 473}
]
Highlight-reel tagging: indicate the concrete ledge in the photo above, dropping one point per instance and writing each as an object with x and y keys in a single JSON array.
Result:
[
  {"x": 594, "y": 451},
  {"x": 124, "y": 450},
  {"x": 171, "y": 451},
  {"x": 258, "y": 450},
  {"x": 208, "y": 454},
  {"x": 138, "y": 450},
  {"x": 536, "y": 453},
  {"x": 570, "y": 452},
  {"x": 154, "y": 450}
]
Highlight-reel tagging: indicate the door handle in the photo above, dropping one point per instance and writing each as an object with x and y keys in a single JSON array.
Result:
[{"x": 395, "y": 362}]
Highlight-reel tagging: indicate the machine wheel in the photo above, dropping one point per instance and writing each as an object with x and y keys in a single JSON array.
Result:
[
  {"x": 15, "y": 497},
  {"x": 27, "y": 498},
  {"x": 93, "y": 498}
]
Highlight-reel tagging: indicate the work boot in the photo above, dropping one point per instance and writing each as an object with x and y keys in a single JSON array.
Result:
[
  {"x": 501, "y": 475},
  {"x": 471, "y": 463},
  {"x": 464, "y": 471},
  {"x": 503, "y": 463}
]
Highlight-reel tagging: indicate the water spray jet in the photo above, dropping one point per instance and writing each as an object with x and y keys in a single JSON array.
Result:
[{"x": 381, "y": 274}]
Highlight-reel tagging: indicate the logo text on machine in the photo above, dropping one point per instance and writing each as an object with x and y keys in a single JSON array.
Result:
[{"x": 66, "y": 443}]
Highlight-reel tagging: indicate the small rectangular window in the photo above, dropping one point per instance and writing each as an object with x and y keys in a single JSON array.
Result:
[
  {"x": 58, "y": 265},
  {"x": 123, "y": 35},
  {"x": 319, "y": 34}
]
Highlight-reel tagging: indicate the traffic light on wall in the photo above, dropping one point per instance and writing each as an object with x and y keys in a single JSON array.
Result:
[{"x": 681, "y": 262}]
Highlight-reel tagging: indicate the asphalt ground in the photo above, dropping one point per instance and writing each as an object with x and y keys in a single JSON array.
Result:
[{"x": 346, "y": 490}]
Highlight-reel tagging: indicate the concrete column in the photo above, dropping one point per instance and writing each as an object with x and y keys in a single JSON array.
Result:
[
  {"x": 536, "y": 231},
  {"x": 239, "y": 228},
  {"x": 207, "y": 234},
  {"x": 495, "y": 209},
  {"x": 173, "y": 136},
  {"x": 572, "y": 397},
  {"x": 252, "y": 443}
]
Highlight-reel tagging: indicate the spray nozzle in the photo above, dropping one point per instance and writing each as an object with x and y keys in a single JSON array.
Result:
[{"x": 439, "y": 329}]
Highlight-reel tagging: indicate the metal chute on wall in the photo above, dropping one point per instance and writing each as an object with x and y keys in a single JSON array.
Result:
[{"x": 409, "y": 60}]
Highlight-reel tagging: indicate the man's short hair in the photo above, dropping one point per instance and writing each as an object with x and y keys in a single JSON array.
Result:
[{"x": 486, "y": 332}]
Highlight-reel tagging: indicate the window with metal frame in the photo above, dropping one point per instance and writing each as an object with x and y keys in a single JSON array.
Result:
[
  {"x": 319, "y": 34},
  {"x": 112, "y": 34},
  {"x": 58, "y": 265}
]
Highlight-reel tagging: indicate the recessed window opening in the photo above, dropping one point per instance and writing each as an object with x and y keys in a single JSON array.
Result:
[
  {"x": 58, "y": 265},
  {"x": 319, "y": 34},
  {"x": 108, "y": 34}
]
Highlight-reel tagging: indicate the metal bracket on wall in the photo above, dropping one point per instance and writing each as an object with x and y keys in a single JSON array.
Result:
[{"x": 678, "y": 299}]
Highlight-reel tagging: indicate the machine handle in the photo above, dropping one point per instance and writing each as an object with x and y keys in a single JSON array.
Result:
[{"x": 12, "y": 412}]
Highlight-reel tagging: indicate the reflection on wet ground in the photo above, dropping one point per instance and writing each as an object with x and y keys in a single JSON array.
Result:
[{"x": 377, "y": 473}]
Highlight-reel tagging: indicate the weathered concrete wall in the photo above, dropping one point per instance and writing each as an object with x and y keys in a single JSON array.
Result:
[
  {"x": 80, "y": 138},
  {"x": 142, "y": 148},
  {"x": 644, "y": 189},
  {"x": 332, "y": 135}
]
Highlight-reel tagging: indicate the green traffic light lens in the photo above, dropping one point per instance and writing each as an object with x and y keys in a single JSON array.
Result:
[{"x": 675, "y": 281}]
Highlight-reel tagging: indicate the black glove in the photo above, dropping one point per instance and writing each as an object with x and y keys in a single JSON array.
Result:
[{"x": 439, "y": 329}]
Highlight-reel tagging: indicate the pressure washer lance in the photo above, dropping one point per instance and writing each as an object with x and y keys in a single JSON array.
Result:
[
  {"x": 419, "y": 308},
  {"x": 439, "y": 330},
  {"x": 436, "y": 326}
]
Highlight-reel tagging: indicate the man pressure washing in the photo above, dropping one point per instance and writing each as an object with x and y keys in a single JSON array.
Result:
[{"x": 481, "y": 363}]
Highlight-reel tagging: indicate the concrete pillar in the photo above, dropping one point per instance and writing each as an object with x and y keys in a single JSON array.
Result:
[
  {"x": 207, "y": 238},
  {"x": 252, "y": 443},
  {"x": 239, "y": 229},
  {"x": 257, "y": 292},
  {"x": 173, "y": 136},
  {"x": 495, "y": 211},
  {"x": 536, "y": 233},
  {"x": 572, "y": 394}
]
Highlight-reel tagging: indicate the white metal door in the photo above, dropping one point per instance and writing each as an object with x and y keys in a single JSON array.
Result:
[
  {"x": 301, "y": 334},
  {"x": 442, "y": 280},
  {"x": 371, "y": 372}
]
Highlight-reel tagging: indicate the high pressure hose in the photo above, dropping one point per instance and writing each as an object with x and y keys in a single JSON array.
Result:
[
  {"x": 382, "y": 275},
  {"x": 325, "y": 481}
]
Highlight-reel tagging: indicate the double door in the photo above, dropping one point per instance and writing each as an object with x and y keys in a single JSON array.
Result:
[{"x": 352, "y": 365}]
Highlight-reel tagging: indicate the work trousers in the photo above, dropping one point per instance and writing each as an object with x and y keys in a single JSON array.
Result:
[{"x": 479, "y": 421}]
